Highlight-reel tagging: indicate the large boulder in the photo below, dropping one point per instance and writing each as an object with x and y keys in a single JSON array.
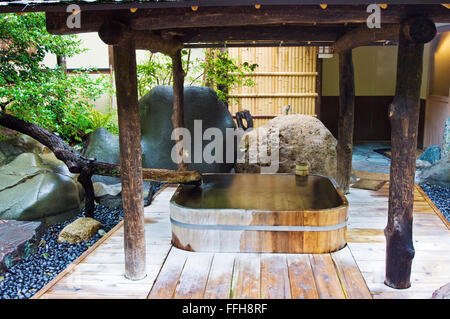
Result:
[
  {"x": 15, "y": 145},
  {"x": 302, "y": 138},
  {"x": 38, "y": 188},
  {"x": 438, "y": 173},
  {"x": 200, "y": 103}
]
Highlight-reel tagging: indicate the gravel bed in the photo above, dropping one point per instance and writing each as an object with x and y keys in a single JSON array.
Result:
[
  {"x": 440, "y": 197},
  {"x": 25, "y": 278}
]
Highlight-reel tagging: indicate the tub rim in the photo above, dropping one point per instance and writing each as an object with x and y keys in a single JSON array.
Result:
[{"x": 344, "y": 204}]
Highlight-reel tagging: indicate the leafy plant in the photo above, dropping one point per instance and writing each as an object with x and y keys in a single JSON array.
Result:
[
  {"x": 157, "y": 70},
  {"x": 218, "y": 67},
  {"x": 227, "y": 73},
  {"x": 48, "y": 97}
]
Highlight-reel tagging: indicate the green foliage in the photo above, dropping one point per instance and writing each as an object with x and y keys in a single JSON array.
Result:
[
  {"x": 227, "y": 73},
  {"x": 48, "y": 97},
  {"x": 157, "y": 70},
  {"x": 220, "y": 69}
]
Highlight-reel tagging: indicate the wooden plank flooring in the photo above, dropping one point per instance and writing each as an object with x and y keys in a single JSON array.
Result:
[{"x": 357, "y": 271}]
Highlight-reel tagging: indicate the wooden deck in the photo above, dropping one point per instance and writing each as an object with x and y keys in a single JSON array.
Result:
[{"x": 357, "y": 271}]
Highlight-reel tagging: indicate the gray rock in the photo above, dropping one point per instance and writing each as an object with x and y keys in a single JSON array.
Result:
[
  {"x": 432, "y": 154},
  {"x": 442, "y": 293},
  {"x": 101, "y": 189},
  {"x": 438, "y": 173},
  {"x": 422, "y": 164},
  {"x": 301, "y": 138},
  {"x": 11, "y": 147},
  {"x": 200, "y": 103},
  {"x": 108, "y": 195},
  {"x": 104, "y": 147},
  {"x": 446, "y": 139},
  {"x": 38, "y": 188}
]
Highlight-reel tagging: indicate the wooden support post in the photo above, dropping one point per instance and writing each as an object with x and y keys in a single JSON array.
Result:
[
  {"x": 178, "y": 104},
  {"x": 130, "y": 159},
  {"x": 345, "y": 121},
  {"x": 404, "y": 118},
  {"x": 319, "y": 67}
]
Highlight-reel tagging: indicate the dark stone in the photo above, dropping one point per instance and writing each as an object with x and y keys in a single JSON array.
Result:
[
  {"x": 104, "y": 147},
  {"x": 432, "y": 154},
  {"x": 200, "y": 103},
  {"x": 38, "y": 188},
  {"x": 440, "y": 196},
  {"x": 18, "y": 240}
]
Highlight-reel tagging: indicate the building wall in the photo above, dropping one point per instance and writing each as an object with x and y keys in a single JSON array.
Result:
[
  {"x": 375, "y": 72},
  {"x": 375, "y": 78},
  {"x": 438, "y": 101}
]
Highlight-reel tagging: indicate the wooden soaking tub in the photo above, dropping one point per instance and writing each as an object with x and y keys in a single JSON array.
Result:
[{"x": 259, "y": 213}]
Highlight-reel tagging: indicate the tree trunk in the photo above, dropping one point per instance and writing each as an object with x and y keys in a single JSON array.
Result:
[
  {"x": 178, "y": 105},
  {"x": 404, "y": 118},
  {"x": 85, "y": 180},
  {"x": 130, "y": 160},
  {"x": 345, "y": 121},
  {"x": 61, "y": 61}
]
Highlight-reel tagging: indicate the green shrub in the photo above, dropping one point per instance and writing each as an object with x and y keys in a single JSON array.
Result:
[
  {"x": 219, "y": 68},
  {"x": 48, "y": 97}
]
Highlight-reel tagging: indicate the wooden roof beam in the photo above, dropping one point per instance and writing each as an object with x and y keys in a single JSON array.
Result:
[
  {"x": 158, "y": 19},
  {"x": 257, "y": 33},
  {"x": 363, "y": 36},
  {"x": 117, "y": 33},
  {"x": 418, "y": 30}
]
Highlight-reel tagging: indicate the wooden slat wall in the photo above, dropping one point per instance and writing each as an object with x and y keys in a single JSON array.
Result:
[{"x": 284, "y": 76}]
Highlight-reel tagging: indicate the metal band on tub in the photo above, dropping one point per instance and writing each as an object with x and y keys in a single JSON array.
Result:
[{"x": 258, "y": 227}]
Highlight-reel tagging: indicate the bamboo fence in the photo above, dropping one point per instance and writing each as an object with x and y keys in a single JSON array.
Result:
[{"x": 284, "y": 76}]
